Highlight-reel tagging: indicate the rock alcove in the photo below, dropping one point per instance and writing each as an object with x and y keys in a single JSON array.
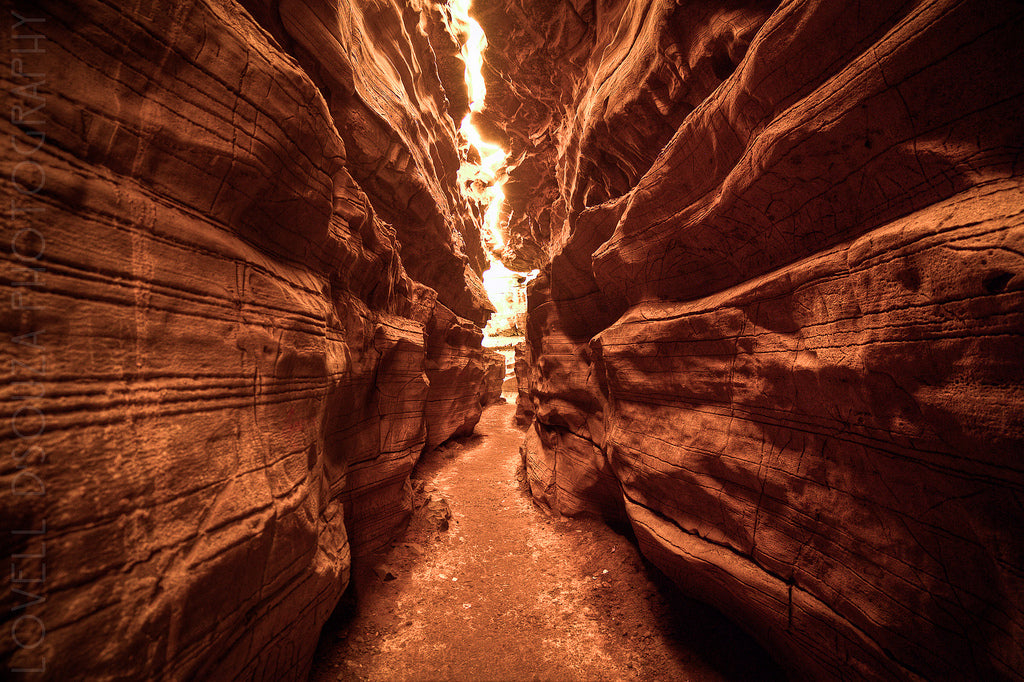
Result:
[{"x": 774, "y": 329}]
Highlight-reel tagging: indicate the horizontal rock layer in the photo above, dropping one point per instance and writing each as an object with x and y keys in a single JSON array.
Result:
[
  {"x": 222, "y": 371},
  {"x": 780, "y": 330}
]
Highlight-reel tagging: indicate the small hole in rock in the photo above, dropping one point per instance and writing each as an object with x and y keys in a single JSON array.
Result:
[
  {"x": 909, "y": 278},
  {"x": 721, "y": 64},
  {"x": 996, "y": 282}
]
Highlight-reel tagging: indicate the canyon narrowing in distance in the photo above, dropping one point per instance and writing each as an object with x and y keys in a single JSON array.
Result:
[{"x": 777, "y": 328}]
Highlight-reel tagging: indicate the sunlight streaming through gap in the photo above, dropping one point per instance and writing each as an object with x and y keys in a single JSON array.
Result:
[
  {"x": 507, "y": 291},
  {"x": 483, "y": 181}
]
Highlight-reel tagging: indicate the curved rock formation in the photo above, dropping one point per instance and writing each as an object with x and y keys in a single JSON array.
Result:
[
  {"x": 781, "y": 326},
  {"x": 246, "y": 296},
  {"x": 375, "y": 66}
]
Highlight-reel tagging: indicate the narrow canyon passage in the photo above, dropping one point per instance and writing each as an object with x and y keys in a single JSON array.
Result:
[
  {"x": 509, "y": 593},
  {"x": 762, "y": 262}
]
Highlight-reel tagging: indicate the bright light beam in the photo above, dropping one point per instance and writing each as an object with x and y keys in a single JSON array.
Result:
[{"x": 479, "y": 182}]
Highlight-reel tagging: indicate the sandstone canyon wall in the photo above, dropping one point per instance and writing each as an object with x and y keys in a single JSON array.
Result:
[
  {"x": 245, "y": 295},
  {"x": 781, "y": 331}
]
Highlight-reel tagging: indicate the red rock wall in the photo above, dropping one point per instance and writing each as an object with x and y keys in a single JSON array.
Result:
[
  {"x": 494, "y": 376},
  {"x": 377, "y": 69},
  {"x": 233, "y": 257},
  {"x": 524, "y": 403},
  {"x": 782, "y": 324}
]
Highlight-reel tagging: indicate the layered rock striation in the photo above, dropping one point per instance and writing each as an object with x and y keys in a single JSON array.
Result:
[
  {"x": 245, "y": 297},
  {"x": 780, "y": 331}
]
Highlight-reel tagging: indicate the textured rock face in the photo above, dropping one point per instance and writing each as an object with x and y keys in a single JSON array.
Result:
[
  {"x": 524, "y": 403},
  {"x": 375, "y": 66},
  {"x": 223, "y": 365},
  {"x": 781, "y": 328},
  {"x": 494, "y": 376}
]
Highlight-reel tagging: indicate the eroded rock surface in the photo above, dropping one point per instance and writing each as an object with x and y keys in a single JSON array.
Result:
[
  {"x": 524, "y": 402},
  {"x": 494, "y": 376},
  {"x": 248, "y": 297},
  {"x": 782, "y": 322}
]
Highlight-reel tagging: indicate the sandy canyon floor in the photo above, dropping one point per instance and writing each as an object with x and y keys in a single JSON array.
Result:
[{"x": 507, "y": 592}]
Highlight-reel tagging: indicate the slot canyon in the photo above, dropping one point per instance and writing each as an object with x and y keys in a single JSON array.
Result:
[{"x": 505, "y": 322}]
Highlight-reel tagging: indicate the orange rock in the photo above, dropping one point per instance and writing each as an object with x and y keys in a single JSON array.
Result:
[
  {"x": 251, "y": 242},
  {"x": 781, "y": 323}
]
